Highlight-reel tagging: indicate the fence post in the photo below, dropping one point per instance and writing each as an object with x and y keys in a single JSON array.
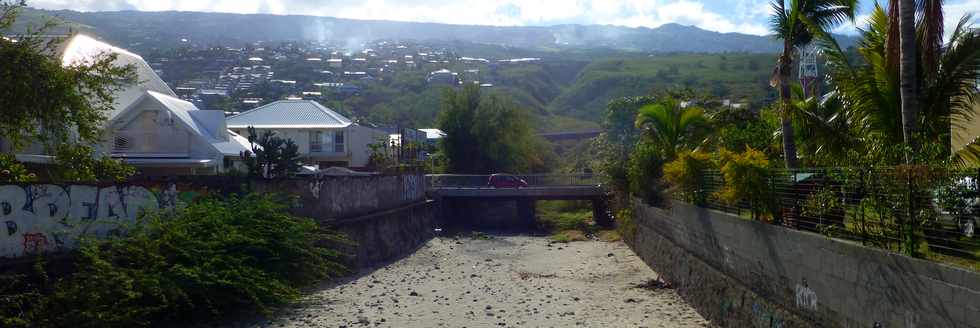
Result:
[
  {"x": 860, "y": 193},
  {"x": 909, "y": 229}
]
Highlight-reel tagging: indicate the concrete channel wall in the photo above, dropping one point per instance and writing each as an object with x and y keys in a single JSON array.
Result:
[
  {"x": 383, "y": 214},
  {"x": 742, "y": 273}
]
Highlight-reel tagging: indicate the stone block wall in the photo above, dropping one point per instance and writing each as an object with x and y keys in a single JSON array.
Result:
[{"x": 742, "y": 273}]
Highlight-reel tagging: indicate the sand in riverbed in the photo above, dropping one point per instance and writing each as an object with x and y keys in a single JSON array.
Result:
[{"x": 500, "y": 281}]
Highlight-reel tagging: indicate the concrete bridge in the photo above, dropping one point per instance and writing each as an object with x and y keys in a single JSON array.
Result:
[{"x": 467, "y": 197}]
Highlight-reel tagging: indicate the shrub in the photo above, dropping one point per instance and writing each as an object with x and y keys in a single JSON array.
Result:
[
  {"x": 746, "y": 178},
  {"x": 625, "y": 224},
  {"x": 645, "y": 172},
  {"x": 12, "y": 171},
  {"x": 686, "y": 174},
  {"x": 210, "y": 259},
  {"x": 79, "y": 163}
]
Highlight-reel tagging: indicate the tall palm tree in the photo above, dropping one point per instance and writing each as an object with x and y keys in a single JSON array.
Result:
[
  {"x": 907, "y": 72},
  {"x": 870, "y": 90},
  {"x": 672, "y": 127},
  {"x": 795, "y": 22}
]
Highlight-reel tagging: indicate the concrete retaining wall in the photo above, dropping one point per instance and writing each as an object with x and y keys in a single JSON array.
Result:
[
  {"x": 741, "y": 273},
  {"x": 389, "y": 234},
  {"x": 49, "y": 218},
  {"x": 333, "y": 198}
]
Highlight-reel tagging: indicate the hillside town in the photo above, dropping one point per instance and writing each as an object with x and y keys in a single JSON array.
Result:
[{"x": 211, "y": 77}]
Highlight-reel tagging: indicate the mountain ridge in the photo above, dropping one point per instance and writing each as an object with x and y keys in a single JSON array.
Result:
[{"x": 168, "y": 27}]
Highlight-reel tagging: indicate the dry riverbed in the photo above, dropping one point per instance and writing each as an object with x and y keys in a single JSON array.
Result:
[{"x": 499, "y": 281}]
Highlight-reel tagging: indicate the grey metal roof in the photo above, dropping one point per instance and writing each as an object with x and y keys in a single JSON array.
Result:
[{"x": 298, "y": 114}]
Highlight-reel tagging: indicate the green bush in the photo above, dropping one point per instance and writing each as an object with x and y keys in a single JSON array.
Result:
[
  {"x": 12, "y": 171},
  {"x": 211, "y": 259},
  {"x": 625, "y": 224},
  {"x": 686, "y": 174},
  {"x": 79, "y": 163},
  {"x": 746, "y": 178},
  {"x": 645, "y": 174}
]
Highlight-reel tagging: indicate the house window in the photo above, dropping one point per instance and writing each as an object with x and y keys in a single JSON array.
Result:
[
  {"x": 316, "y": 141},
  {"x": 338, "y": 141}
]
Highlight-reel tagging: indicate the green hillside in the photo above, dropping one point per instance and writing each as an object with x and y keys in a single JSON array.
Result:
[
  {"x": 740, "y": 77},
  {"x": 560, "y": 94}
]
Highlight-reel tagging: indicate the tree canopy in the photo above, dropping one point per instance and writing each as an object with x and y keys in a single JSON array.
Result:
[
  {"x": 41, "y": 99},
  {"x": 487, "y": 134}
]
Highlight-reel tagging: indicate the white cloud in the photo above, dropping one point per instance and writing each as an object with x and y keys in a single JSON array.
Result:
[{"x": 744, "y": 16}]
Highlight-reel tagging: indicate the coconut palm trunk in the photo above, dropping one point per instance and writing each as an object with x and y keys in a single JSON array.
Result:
[
  {"x": 789, "y": 135},
  {"x": 907, "y": 73},
  {"x": 796, "y": 25}
]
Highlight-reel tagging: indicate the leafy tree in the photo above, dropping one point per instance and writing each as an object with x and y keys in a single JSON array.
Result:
[
  {"x": 672, "y": 127},
  {"x": 618, "y": 139},
  {"x": 645, "y": 173},
  {"x": 75, "y": 98},
  {"x": 486, "y": 134},
  {"x": 739, "y": 128},
  {"x": 271, "y": 156},
  {"x": 795, "y": 25}
]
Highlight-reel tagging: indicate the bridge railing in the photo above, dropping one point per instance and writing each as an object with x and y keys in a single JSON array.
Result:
[{"x": 533, "y": 180}]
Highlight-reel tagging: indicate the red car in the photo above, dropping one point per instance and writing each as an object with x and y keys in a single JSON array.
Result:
[{"x": 506, "y": 181}]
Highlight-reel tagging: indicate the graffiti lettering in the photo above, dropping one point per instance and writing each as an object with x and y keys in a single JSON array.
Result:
[
  {"x": 315, "y": 188},
  {"x": 46, "y": 217},
  {"x": 806, "y": 298},
  {"x": 412, "y": 187}
]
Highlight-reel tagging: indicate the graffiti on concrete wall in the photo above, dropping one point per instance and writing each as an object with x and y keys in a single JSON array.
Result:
[
  {"x": 315, "y": 187},
  {"x": 45, "y": 217},
  {"x": 806, "y": 298},
  {"x": 413, "y": 187}
]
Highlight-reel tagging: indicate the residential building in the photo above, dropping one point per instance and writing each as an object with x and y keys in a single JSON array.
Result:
[
  {"x": 325, "y": 138},
  {"x": 442, "y": 77},
  {"x": 149, "y": 127}
]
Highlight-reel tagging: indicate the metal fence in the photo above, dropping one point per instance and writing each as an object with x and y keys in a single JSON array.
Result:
[
  {"x": 921, "y": 211},
  {"x": 533, "y": 180}
]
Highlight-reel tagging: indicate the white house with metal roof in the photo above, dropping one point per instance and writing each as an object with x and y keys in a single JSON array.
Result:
[
  {"x": 149, "y": 127},
  {"x": 324, "y": 137}
]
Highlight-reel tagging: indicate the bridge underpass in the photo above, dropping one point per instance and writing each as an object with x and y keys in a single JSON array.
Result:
[{"x": 468, "y": 200}]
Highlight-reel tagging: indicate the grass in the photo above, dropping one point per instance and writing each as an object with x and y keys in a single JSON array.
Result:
[
  {"x": 570, "y": 221},
  {"x": 568, "y": 236},
  {"x": 609, "y": 236}
]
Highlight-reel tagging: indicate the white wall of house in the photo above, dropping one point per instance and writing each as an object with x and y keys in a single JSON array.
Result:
[
  {"x": 361, "y": 137},
  {"x": 150, "y": 132},
  {"x": 354, "y": 149}
]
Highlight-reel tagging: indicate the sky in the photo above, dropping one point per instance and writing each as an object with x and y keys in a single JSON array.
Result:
[{"x": 743, "y": 16}]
